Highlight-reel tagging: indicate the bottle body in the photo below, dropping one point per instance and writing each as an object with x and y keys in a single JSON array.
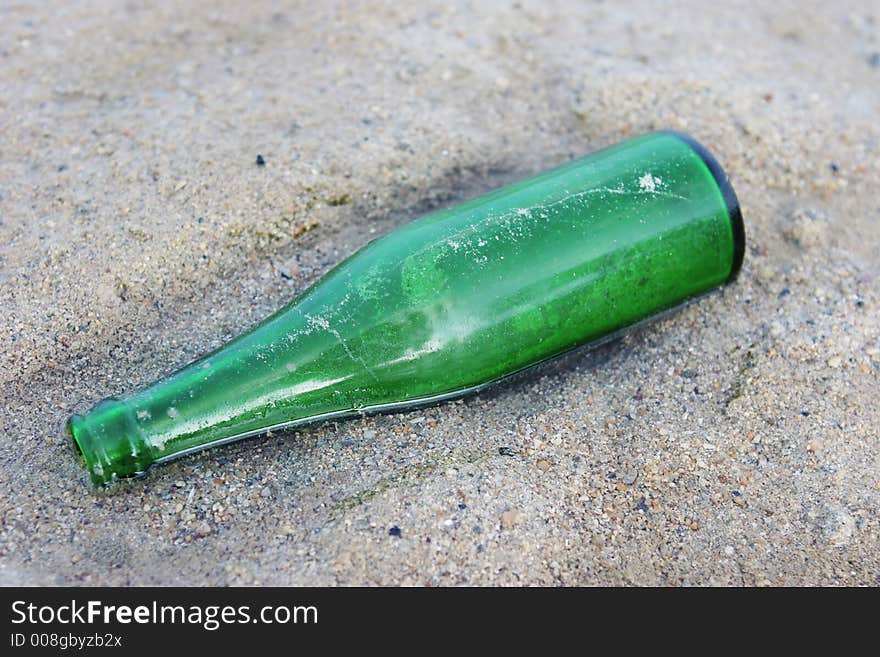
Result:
[{"x": 449, "y": 303}]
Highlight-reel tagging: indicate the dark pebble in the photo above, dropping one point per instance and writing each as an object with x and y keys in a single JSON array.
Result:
[
  {"x": 260, "y": 161},
  {"x": 641, "y": 505},
  {"x": 506, "y": 451},
  {"x": 394, "y": 531},
  {"x": 805, "y": 413},
  {"x": 462, "y": 506},
  {"x": 785, "y": 292},
  {"x": 834, "y": 167}
]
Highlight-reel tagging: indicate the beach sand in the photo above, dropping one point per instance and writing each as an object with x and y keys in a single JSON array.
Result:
[{"x": 733, "y": 443}]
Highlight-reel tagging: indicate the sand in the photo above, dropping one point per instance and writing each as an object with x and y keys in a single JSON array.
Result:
[{"x": 733, "y": 443}]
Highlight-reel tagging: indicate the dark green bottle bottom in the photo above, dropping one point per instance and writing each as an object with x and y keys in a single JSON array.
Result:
[{"x": 730, "y": 199}]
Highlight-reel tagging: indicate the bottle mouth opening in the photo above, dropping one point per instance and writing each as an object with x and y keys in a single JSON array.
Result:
[
  {"x": 106, "y": 440},
  {"x": 74, "y": 443},
  {"x": 79, "y": 441}
]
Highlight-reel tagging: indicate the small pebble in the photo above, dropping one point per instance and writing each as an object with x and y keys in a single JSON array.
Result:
[
  {"x": 629, "y": 477},
  {"x": 837, "y": 525},
  {"x": 509, "y": 519},
  {"x": 394, "y": 531},
  {"x": 261, "y": 161}
]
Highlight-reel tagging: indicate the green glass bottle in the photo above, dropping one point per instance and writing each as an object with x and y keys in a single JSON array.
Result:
[{"x": 450, "y": 303}]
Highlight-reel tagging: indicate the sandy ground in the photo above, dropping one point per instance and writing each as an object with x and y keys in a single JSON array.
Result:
[{"x": 733, "y": 443}]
